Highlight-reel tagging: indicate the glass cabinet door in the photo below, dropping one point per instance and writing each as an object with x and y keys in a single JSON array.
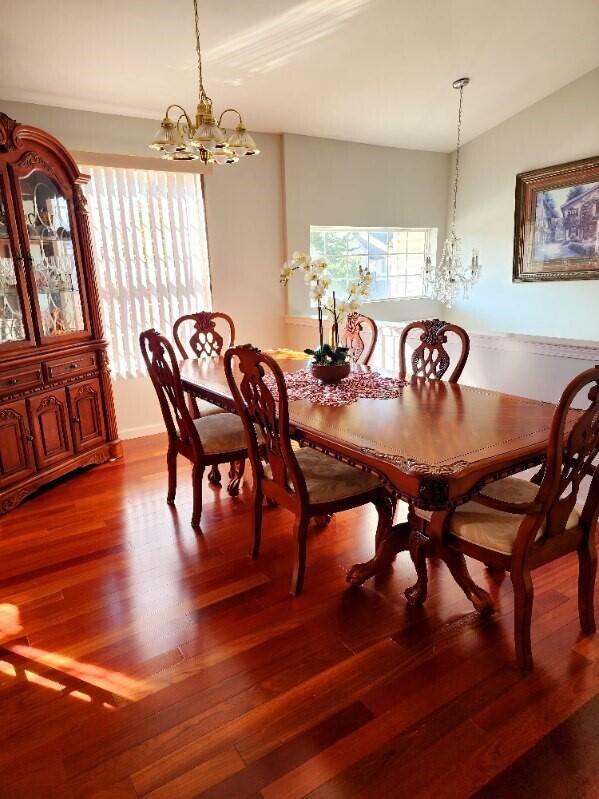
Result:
[
  {"x": 54, "y": 268},
  {"x": 13, "y": 327}
]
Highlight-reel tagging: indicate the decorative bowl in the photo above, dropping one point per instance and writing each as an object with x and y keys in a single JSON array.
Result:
[{"x": 330, "y": 373}]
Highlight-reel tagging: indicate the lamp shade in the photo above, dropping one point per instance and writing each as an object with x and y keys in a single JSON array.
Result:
[
  {"x": 241, "y": 143},
  {"x": 168, "y": 139}
]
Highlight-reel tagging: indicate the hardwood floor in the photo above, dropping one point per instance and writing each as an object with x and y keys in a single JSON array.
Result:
[{"x": 140, "y": 658}]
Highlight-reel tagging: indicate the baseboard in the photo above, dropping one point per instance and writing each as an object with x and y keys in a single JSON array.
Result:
[{"x": 143, "y": 430}]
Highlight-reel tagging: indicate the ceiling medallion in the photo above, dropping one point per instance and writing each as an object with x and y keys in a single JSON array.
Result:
[
  {"x": 204, "y": 139},
  {"x": 450, "y": 277}
]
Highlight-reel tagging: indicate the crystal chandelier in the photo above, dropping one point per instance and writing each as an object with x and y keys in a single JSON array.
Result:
[
  {"x": 445, "y": 280},
  {"x": 205, "y": 139}
]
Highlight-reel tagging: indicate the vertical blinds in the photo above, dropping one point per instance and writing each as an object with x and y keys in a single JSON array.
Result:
[{"x": 151, "y": 254}]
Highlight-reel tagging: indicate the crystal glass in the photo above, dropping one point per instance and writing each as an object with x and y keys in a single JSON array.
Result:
[
  {"x": 51, "y": 245},
  {"x": 11, "y": 316}
]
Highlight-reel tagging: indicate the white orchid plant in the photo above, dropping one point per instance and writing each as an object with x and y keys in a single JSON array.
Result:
[{"x": 315, "y": 275}]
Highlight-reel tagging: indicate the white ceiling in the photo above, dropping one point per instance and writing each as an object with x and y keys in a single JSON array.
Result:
[{"x": 376, "y": 71}]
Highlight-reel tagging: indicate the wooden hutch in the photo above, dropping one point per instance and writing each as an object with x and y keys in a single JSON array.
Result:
[{"x": 56, "y": 405}]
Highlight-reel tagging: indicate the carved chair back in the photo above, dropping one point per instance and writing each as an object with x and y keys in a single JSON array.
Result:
[
  {"x": 430, "y": 359},
  {"x": 258, "y": 388},
  {"x": 163, "y": 369},
  {"x": 570, "y": 458},
  {"x": 359, "y": 335},
  {"x": 206, "y": 341}
]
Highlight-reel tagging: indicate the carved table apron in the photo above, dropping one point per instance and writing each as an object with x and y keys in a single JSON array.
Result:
[{"x": 435, "y": 446}]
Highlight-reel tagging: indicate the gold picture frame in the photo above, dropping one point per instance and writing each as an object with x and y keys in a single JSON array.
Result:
[{"x": 556, "y": 223}]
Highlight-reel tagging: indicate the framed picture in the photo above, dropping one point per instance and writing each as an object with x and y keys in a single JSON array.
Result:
[{"x": 556, "y": 225}]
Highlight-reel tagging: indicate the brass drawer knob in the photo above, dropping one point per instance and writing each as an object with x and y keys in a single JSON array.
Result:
[
  {"x": 74, "y": 366},
  {"x": 12, "y": 381}
]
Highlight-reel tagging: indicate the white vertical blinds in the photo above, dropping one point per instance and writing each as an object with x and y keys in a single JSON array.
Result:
[{"x": 151, "y": 254}]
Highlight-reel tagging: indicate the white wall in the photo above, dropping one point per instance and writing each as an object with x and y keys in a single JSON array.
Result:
[
  {"x": 245, "y": 228},
  {"x": 331, "y": 182},
  {"x": 562, "y": 127}
]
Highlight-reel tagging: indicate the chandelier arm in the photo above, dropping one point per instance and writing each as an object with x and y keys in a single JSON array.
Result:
[
  {"x": 226, "y": 111},
  {"x": 183, "y": 114}
]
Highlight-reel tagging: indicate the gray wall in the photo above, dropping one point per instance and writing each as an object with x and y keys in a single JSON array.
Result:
[
  {"x": 562, "y": 127},
  {"x": 331, "y": 182}
]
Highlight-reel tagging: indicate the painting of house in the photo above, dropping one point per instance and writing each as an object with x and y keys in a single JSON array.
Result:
[{"x": 566, "y": 226}]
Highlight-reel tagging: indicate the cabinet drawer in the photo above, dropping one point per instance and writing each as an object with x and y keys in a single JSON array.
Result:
[
  {"x": 14, "y": 380},
  {"x": 71, "y": 366}
]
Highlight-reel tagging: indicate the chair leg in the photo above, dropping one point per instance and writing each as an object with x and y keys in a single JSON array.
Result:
[
  {"x": 456, "y": 563},
  {"x": 171, "y": 462},
  {"x": 197, "y": 474},
  {"x": 256, "y": 525},
  {"x": 385, "y": 507},
  {"x": 587, "y": 570},
  {"x": 299, "y": 570},
  {"x": 235, "y": 473},
  {"x": 523, "y": 598},
  {"x": 214, "y": 477}
]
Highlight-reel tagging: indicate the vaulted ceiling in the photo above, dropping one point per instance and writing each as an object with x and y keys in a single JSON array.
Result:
[{"x": 375, "y": 71}]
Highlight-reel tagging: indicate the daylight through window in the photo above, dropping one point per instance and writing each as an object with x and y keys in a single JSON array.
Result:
[
  {"x": 395, "y": 256},
  {"x": 151, "y": 254}
]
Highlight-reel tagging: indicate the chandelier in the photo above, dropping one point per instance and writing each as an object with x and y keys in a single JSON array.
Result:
[
  {"x": 445, "y": 280},
  {"x": 184, "y": 140}
]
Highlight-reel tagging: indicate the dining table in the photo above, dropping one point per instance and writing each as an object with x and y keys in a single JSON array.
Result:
[{"x": 435, "y": 446}]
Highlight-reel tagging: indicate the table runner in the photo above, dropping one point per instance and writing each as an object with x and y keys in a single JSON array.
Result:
[{"x": 358, "y": 385}]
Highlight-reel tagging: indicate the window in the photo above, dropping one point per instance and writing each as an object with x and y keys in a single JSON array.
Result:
[
  {"x": 395, "y": 256},
  {"x": 151, "y": 254}
]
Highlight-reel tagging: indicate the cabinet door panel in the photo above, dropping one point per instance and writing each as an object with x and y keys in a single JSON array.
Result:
[
  {"x": 15, "y": 318},
  {"x": 50, "y": 243},
  {"x": 16, "y": 452},
  {"x": 85, "y": 403},
  {"x": 50, "y": 427}
]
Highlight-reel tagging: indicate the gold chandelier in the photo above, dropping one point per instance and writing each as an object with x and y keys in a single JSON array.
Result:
[{"x": 184, "y": 140}]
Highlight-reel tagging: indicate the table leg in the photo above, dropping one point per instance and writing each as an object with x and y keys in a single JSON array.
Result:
[
  {"x": 396, "y": 541},
  {"x": 456, "y": 563}
]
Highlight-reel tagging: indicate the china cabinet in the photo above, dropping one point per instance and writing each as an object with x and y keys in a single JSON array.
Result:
[{"x": 56, "y": 405}]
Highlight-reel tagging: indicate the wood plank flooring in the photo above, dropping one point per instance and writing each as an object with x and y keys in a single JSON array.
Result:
[{"x": 139, "y": 658}]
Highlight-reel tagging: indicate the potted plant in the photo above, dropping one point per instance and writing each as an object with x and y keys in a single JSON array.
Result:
[{"x": 330, "y": 362}]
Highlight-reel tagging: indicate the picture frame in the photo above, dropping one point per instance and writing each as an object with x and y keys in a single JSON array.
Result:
[{"x": 556, "y": 223}]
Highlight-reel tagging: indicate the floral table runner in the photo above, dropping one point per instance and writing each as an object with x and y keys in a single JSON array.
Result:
[{"x": 358, "y": 385}]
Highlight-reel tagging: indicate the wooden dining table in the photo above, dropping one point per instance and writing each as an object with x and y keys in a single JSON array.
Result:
[{"x": 435, "y": 446}]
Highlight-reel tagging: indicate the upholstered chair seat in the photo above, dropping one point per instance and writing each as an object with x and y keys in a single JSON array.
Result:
[
  {"x": 329, "y": 480},
  {"x": 206, "y": 408},
  {"x": 221, "y": 433},
  {"x": 495, "y": 529}
]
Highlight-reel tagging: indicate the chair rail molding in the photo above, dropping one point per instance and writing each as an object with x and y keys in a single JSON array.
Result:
[{"x": 513, "y": 342}]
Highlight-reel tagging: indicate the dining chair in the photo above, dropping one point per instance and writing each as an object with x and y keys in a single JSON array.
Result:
[
  {"x": 205, "y": 441},
  {"x": 305, "y": 481},
  {"x": 212, "y": 332},
  {"x": 517, "y": 525},
  {"x": 359, "y": 335},
  {"x": 430, "y": 359}
]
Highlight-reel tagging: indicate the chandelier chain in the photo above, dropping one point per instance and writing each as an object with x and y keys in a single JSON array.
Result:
[
  {"x": 198, "y": 48},
  {"x": 457, "y": 162}
]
